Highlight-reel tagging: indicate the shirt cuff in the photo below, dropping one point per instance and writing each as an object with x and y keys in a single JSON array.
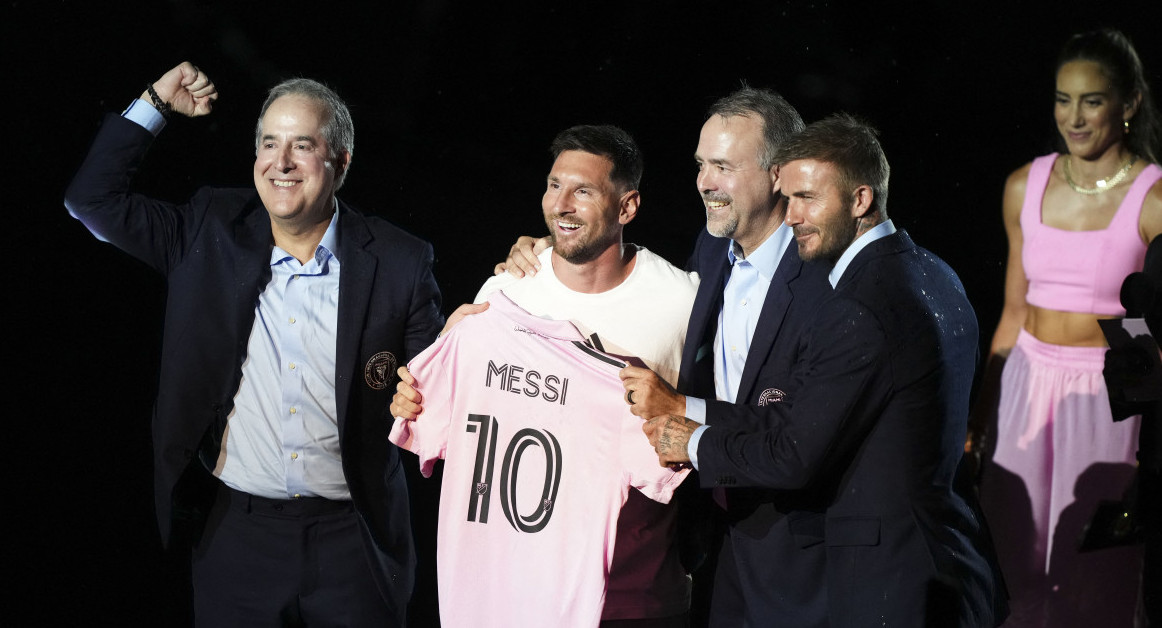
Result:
[
  {"x": 696, "y": 409},
  {"x": 144, "y": 114},
  {"x": 692, "y": 444}
]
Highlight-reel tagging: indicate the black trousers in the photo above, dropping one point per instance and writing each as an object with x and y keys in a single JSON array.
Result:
[{"x": 279, "y": 563}]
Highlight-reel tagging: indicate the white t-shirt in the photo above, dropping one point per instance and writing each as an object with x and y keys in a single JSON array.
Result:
[
  {"x": 644, "y": 317},
  {"x": 540, "y": 452}
]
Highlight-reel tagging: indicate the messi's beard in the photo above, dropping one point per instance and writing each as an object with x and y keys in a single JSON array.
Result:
[{"x": 585, "y": 249}]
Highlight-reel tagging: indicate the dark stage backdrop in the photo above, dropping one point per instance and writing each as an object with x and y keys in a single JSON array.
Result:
[{"x": 454, "y": 106}]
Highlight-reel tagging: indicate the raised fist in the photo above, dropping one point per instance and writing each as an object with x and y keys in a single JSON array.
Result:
[{"x": 186, "y": 89}]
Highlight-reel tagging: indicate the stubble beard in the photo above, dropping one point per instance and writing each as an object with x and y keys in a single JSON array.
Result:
[
  {"x": 830, "y": 249},
  {"x": 722, "y": 226},
  {"x": 583, "y": 251}
]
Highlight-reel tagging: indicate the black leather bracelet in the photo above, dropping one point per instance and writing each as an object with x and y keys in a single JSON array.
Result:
[{"x": 162, "y": 106}]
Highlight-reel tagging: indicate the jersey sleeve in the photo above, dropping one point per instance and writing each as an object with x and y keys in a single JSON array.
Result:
[
  {"x": 427, "y": 435},
  {"x": 640, "y": 463}
]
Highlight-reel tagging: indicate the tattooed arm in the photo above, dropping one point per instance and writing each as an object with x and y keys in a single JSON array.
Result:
[{"x": 670, "y": 435}]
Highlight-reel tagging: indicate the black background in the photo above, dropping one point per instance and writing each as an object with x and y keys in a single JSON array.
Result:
[{"x": 454, "y": 106}]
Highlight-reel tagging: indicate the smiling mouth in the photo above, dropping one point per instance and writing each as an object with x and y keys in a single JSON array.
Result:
[
  {"x": 568, "y": 227},
  {"x": 284, "y": 184},
  {"x": 716, "y": 205}
]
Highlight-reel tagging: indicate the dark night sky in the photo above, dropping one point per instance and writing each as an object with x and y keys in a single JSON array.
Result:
[{"x": 454, "y": 107}]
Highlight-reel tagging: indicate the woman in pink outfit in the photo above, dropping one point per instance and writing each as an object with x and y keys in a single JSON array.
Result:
[{"x": 1078, "y": 221}]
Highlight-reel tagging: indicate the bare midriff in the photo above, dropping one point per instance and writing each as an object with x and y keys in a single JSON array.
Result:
[{"x": 1073, "y": 329}]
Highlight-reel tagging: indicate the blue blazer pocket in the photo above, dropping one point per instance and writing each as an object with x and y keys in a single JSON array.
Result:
[
  {"x": 806, "y": 528},
  {"x": 841, "y": 531}
]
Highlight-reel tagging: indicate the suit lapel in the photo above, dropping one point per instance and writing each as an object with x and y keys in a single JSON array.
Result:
[
  {"x": 251, "y": 261},
  {"x": 356, "y": 281},
  {"x": 697, "y": 370},
  {"x": 887, "y": 245},
  {"x": 779, "y": 297}
]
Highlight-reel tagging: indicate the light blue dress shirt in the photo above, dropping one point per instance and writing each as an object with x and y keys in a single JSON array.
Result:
[
  {"x": 146, "y": 115},
  {"x": 742, "y": 303},
  {"x": 282, "y": 437}
]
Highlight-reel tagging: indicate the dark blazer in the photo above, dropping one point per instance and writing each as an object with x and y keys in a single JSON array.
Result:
[
  {"x": 795, "y": 292},
  {"x": 214, "y": 251},
  {"x": 870, "y": 437},
  {"x": 755, "y": 577}
]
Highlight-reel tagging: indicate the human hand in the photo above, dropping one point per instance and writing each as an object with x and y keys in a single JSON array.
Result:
[
  {"x": 186, "y": 89},
  {"x": 974, "y": 446},
  {"x": 649, "y": 395},
  {"x": 670, "y": 436},
  {"x": 522, "y": 257},
  {"x": 407, "y": 401},
  {"x": 974, "y": 439},
  {"x": 468, "y": 309}
]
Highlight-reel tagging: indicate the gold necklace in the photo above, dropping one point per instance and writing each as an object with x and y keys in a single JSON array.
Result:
[{"x": 1103, "y": 185}]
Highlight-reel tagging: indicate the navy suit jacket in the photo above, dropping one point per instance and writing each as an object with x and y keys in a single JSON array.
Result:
[
  {"x": 756, "y": 577},
  {"x": 869, "y": 439},
  {"x": 214, "y": 251}
]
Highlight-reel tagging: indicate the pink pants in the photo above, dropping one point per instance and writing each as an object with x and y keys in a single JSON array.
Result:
[{"x": 1058, "y": 454}]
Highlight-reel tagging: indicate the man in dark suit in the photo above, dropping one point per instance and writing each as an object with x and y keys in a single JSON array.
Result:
[
  {"x": 287, "y": 313},
  {"x": 866, "y": 429},
  {"x": 754, "y": 291}
]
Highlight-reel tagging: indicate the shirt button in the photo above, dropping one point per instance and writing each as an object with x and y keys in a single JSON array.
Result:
[
  {"x": 291, "y": 320},
  {"x": 293, "y": 366},
  {"x": 742, "y": 302},
  {"x": 294, "y": 410},
  {"x": 294, "y": 455},
  {"x": 297, "y": 496}
]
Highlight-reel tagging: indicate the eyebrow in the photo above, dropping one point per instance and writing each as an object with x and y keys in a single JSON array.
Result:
[
  {"x": 300, "y": 138},
  {"x": 716, "y": 161},
  {"x": 581, "y": 184},
  {"x": 1087, "y": 94}
]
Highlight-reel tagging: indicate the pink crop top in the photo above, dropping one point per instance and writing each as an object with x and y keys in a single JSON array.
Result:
[{"x": 1081, "y": 271}]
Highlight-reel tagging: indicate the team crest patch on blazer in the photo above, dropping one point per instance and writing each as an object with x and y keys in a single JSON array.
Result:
[
  {"x": 380, "y": 370},
  {"x": 771, "y": 395}
]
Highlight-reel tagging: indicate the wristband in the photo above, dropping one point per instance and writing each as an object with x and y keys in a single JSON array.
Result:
[{"x": 162, "y": 106}]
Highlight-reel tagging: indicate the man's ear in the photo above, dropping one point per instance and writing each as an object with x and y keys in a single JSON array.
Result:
[
  {"x": 861, "y": 201},
  {"x": 776, "y": 182},
  {"x": 628, "y": 207},
  {"x": 343, "y": 164}
]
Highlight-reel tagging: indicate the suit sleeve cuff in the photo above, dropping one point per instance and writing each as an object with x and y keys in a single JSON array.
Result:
[{"x": 145, "y": 115}]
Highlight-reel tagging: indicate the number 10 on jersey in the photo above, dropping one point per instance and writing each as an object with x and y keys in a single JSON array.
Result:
[{"x": 485, "y": 427}]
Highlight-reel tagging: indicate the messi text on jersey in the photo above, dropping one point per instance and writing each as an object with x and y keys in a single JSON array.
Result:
[{"x": 517, "y": 379}]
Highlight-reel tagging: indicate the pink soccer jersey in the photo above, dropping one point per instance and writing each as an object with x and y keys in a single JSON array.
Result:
[{"x": 540, "y": 453}]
